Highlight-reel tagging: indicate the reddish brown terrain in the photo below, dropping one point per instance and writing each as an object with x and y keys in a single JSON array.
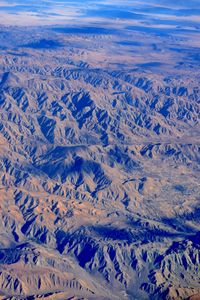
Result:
[{"x": 99, "y": 161}]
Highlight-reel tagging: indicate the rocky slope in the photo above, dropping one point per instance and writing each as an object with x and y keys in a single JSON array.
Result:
[{"x": 99, "y": 180}]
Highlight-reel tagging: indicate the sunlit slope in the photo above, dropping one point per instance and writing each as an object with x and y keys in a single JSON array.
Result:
[{"x": 99, "y": 178}]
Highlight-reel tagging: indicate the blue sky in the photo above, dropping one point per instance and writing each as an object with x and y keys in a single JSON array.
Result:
[{"x": 168, "y": 12}]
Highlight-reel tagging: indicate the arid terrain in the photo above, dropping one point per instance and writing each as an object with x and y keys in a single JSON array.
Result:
[{"x": 100, "y": 161}]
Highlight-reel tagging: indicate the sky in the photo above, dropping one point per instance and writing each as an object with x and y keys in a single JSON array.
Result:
[
  {"x": 155, "y": 12},
  {"x": 152, "y": 31}
]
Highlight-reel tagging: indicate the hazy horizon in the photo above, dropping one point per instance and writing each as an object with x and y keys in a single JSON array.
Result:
[
  {"x": 152, "y": 13},
  {"x": 99, "y": 149}
]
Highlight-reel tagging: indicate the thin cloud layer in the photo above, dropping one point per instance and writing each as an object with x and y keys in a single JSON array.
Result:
[{"x": 152, "y": 12}]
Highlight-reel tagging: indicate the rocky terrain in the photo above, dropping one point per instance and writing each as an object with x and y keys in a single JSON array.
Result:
[{"x": 99, "y": 171}]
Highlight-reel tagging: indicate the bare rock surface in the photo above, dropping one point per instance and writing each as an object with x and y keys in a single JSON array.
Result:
[{"x": 99, "y": 173}]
